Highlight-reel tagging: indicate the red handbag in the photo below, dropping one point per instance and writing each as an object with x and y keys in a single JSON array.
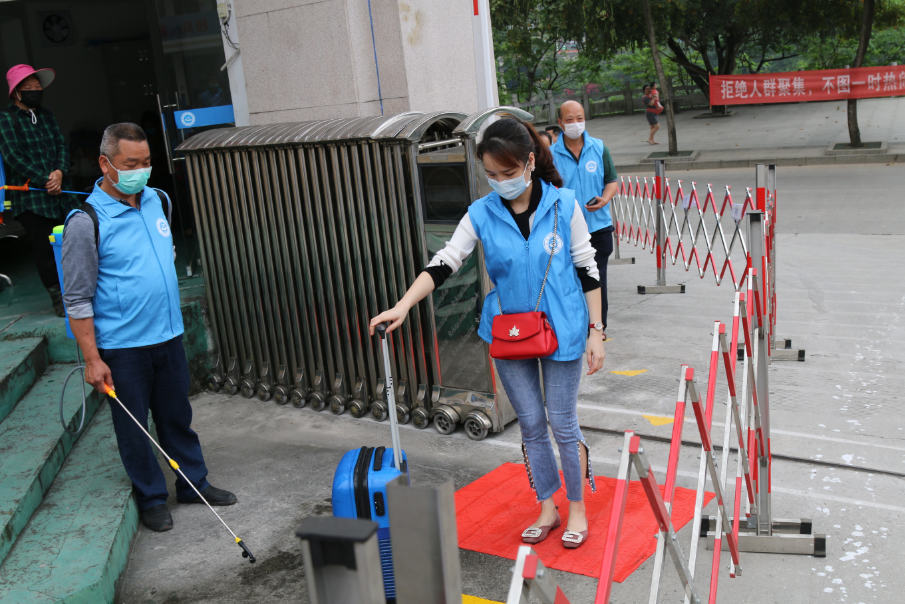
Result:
[{"x": 526, "y": 335}]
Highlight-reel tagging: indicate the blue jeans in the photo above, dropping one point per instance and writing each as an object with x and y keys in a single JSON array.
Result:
[
  {"x": 521, "y": 379},
  {"x": 157, "y": 380}
]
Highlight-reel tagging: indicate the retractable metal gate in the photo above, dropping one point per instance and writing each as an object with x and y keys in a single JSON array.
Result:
[{"x": 308, "y": 230}]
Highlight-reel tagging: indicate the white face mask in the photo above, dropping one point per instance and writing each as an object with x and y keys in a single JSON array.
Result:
[
  {"x": 511, "y": 188},
  {"x": 573, "y": 130}
]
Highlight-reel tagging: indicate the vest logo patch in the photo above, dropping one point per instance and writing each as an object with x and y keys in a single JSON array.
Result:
[
  {"x": 548, "y": 241},
  {"x": 591, "y": 166},
  {"x": 162, "y": 227}
]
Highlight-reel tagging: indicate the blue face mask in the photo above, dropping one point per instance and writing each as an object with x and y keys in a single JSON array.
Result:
[
  {"x": 511, "y": 188},
  {"x": 130, "y": 181}
]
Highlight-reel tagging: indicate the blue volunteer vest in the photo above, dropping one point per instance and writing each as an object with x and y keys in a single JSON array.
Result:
[
  {"x": 585, "y": 177},
  {"x": 517, "y": 268},
  {"x": 137, "y": 298}
]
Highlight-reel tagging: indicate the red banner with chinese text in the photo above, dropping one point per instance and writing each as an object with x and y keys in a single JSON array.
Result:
[{"x": 793, "y": 86}]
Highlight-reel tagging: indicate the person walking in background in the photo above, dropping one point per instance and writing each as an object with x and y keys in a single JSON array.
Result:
[
  {"x": 553, "y": 132},
  {"x": 546, "y": 138},
  {"x": 33, "y": 149},
  {"x": 587, "y": 168},
  {"x": 538, "y": 253},
  {"x": 651, "y": 111}
]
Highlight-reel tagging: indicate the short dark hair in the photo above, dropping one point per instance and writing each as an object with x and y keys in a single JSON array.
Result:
[
  {"x": 126, "y": 131},
  {"x": 554, "y": 129},
  {"x": 645, "y": 88},
  {"x": 546, "y": 135}
]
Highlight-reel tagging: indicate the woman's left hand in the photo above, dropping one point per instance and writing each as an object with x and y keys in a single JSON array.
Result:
[{"x": 596, "y": 353}]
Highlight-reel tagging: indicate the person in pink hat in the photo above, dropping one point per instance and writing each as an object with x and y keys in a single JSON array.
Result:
[{"x": 33, "y": 149}]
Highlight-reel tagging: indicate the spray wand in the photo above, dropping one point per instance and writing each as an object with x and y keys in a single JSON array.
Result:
[
  {"x": 246, "y": 553},
  {"x": 25, "y": 187}
]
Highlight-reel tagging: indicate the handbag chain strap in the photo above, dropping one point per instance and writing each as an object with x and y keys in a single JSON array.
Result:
[{"x": 549, "y": 262}]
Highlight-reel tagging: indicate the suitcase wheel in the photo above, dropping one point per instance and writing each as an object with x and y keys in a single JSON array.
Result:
[
  {"x": 477, "y": 425},
  {"x": 358, "y": 408},
  {"x": 379, "y": 410},
  {"x": 337, "y": 404},
  {"x": 317, "y": 400},
  {"x": 445, "y": 419},
  {"x": 297, "y": 398},
  {"x": 421, "y": 418},
  {"x": 281, "y": 395}
]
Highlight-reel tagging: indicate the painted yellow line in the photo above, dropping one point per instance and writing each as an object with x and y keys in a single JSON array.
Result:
[
  {"x": 630, "y": 373},
  {"x": 476, "y": 600},
  {"x": 658, "y": 420}
]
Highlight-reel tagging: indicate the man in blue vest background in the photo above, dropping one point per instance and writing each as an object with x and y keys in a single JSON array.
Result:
[
  {"x": 587, "y": 168},
  {"x": 122, "y": 296}
]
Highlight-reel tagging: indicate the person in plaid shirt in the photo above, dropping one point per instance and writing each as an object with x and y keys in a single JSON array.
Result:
[{"x": 33, "y": 149}]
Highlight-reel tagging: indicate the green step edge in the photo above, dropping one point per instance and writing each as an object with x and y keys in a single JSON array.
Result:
[
  {"x": 12, "y": 523},
  {"x": 89, "y": 545},
  {"x": 22, "y": 363}
]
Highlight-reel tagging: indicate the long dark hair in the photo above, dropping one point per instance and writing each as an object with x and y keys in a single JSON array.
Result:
[{"x": 510, "y": 142}]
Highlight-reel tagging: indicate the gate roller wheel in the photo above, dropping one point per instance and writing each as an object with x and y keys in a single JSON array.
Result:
[
  {"x": 230, "y": 386},
  {"x": 421, "y": 418},
  {"x": 318, "y": 401},
  {"x": 379, "y": 410},
  {"x": 358, "y": 408},
  {"x": 403, "y": 415},
  {"x": 214, "y": 383},
  {"x": 445, "y": 419},
  {"x": 264, "y": 393},
  {"x": 247, "y": 388},
  {"x": 281, "y": 395},
  {"x": 477, "y": 425},
  {"x": 297, "y": 398},
  {"x": 337, "y": 404}
]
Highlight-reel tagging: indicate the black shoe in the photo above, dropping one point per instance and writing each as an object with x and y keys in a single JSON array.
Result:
[
  {"x": 157, "y": 518},
  {"x": 214, "y": 496}
]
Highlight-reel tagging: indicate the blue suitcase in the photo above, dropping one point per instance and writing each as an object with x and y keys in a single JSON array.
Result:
[{"x": 359, "y": 484}]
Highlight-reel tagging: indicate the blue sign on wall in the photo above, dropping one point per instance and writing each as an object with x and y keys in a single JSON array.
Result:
[{"x": 206, "y": 116}]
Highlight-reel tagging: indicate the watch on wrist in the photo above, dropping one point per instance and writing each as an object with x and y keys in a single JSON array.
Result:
[{"x": 598, "y": 326}]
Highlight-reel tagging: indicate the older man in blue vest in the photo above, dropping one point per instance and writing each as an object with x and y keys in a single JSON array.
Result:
[
  {"x": 122, "y": 296},
  {"x": 587, "y": 168}
]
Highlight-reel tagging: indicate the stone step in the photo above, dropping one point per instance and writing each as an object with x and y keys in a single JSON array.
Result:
[
  {"x": 76, "y": 545},
  {"x": 33, "y": 447},
  {"x": 22, "y": 362}
]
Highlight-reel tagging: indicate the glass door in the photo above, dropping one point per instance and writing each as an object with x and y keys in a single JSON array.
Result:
[{"x": 193, "y": 94}]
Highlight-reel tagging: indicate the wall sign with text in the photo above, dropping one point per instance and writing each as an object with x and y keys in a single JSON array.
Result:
[{"x": 794, "y": 86}]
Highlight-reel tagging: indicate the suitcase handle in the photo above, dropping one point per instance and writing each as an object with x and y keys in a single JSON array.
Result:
[{"x": 381, "y": 330}]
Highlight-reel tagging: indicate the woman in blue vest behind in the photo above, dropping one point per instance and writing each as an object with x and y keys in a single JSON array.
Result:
[{"x": 525, "y": 224}]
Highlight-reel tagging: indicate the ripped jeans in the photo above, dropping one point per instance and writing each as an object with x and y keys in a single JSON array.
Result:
[{"x": 521, "y": 379}]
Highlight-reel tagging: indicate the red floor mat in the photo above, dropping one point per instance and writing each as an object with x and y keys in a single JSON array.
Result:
[{"x": 493, "y": 511}]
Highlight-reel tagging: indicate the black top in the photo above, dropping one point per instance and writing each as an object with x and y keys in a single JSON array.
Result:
[{"x": 522, "y": 220}]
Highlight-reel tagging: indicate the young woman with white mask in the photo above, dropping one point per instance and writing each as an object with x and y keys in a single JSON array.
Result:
[{"x": 537, "y": 251}]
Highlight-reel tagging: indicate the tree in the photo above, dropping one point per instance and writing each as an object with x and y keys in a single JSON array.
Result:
[
  {"x": 664, "y": 82},
  {"x": 867, "y": 24}
]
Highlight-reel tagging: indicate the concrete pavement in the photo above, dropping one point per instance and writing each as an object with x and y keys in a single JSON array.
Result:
[
  {"x": 841, "y": 249},
  {"x": 788, "y": 134}
]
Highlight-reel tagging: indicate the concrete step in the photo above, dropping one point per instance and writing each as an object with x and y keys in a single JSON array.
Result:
[
  {"x": 22, "y": 362},
  {"x": 33, "y": 447},
  {"x": 77, "y": 544}
]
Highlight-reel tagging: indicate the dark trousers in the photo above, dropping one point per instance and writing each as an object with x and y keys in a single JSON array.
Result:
[
  {"x": 602, "y": 241},
  {"x": 38, "y": 230},
  {"x": 157, "y": 380}
]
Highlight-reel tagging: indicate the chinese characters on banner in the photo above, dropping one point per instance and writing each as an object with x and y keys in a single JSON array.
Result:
[{"x": 824, "y": 85}]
